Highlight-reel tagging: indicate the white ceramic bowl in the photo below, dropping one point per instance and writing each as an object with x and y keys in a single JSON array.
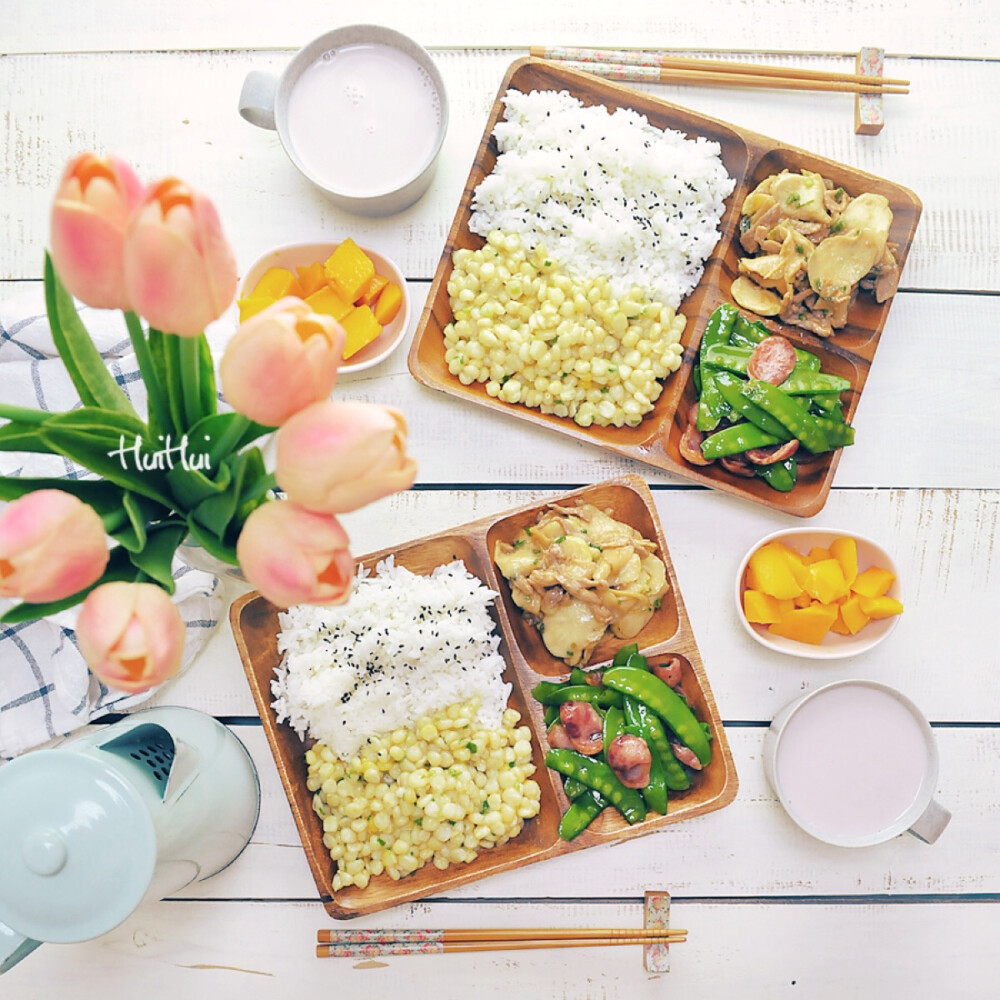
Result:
[
  {"x": 833, "y": 646},
  {"x": 295, "y": 255}
]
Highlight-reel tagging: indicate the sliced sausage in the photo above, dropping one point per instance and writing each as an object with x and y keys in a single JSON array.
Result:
[
  {"x": 686, "y": 756},
  {"x": 772, "y": 453},
  {"x": 583, "y": 725},
  {"x": 669, "y": 672},
  {"x": 630, "y": 759},
  {"x": 558, "y": 738},
  {"x": 772, "y": 360},
  {"x": 690, "y": 446},
  {"x": 595, "y": 677},
  {"x": 737, "y": 465}
]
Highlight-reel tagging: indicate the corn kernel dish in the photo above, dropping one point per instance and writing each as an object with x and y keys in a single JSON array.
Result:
[{"x": 438, "y": 792}]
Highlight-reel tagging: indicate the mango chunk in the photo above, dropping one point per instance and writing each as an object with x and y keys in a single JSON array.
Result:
[
  {"x": 816, "y": 554},
  {"x": 276, "y": 283},
  {"x": 806, "y": 624},
  {"x": 253, "y": 305},
  {"x": 845, "y": 550},
  {"x": 388, "y": 303},
  {"x": 852, "y": 615},
  {"x": 328, "y": 302},
  {"x": 361, "y": 328},
  {"x": 825, "y": 581},
  {"x": 880, "y": 607},
  {"x": 772, "y": 570},
  {"x": 802, "y": 600},
  {"x": 311, "y": 278},
  {"x": 372, "y": 290},
  {"x": 763, "y": 609},
  {"x": 349, "y": 269},
  {"x": 873, "y": 582}
]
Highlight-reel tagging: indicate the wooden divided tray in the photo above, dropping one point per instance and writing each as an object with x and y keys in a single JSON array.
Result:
[
  {"x": 255, "y": 626},
  {"x": 749, "y": 158}
]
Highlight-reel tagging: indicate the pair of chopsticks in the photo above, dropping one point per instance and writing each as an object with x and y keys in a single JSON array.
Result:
[
  {"x": 653, "y": 67},
  {"x": 376, "y": 943}
]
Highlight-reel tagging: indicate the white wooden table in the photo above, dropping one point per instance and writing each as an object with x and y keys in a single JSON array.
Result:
[{"x": 770, "y": 911}]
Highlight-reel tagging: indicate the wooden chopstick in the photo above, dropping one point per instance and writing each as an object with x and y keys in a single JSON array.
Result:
[
  {"x": 467, "y": 934},
  {"x": 653, "y": 74},
  {"x": 633, "y": 57},
  {"x": 376, "y": 950}
]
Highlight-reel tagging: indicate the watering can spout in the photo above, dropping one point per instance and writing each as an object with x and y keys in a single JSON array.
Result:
[{"x": 14, "y": 947}]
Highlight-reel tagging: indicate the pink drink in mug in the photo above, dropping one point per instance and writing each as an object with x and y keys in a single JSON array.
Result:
[{"x": 855, "y": 763}]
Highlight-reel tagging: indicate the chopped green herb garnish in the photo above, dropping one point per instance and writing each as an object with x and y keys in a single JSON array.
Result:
[{"x": 471, "y": 747}]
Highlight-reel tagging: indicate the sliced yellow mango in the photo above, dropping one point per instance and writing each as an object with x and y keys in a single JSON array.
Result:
[
  {"x": 311, "y": 278},
  {"x": 806, "y": 624},
  {"x": 361, "y": 328},
  {"x": 816, "y": 554},
  {"x": 277, "y": 282},
  {"x": 845, "y": 550},
  {"x": 772, "y": 570},
  {"x": 253, "y": 305},
  {"x": 388, "y": 303},
  {"x": 349, "y": 269},
  {"x": 329, "y": 303},
  {"x": 880, "y": 607},
  {"x": 763, "y": 609},
  {"x": 826, "y": 581},
  {"x": 852, "y": 614},
  {"x": 873, "y": 582}
]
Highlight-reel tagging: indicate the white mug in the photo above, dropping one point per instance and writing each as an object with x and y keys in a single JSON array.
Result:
[
  {"x": 855, "y": 763},
  {"x": 265, "y": 101}
]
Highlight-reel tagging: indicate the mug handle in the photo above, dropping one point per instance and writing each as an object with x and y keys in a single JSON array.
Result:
[
  {"x": 257, "y": 98},
  {"x": 931, "y": 823}
]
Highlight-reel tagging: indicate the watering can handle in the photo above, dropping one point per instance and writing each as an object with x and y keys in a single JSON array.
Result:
[{"x": 13, "y": 947}]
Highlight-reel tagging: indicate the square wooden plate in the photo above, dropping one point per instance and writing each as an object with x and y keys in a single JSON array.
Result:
[
  {"x": 255, "y": 626},
  {"x": 749, "y": 158}
]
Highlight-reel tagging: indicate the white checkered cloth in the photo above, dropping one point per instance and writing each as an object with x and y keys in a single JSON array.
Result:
[{"x": 46, "y": 689}]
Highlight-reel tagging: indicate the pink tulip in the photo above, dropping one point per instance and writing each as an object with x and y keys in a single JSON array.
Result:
[
  {"x": 131, "y": 635},
  {"x": 52, "y": 545},
  {"x": 91, "y": 210},
  {"x": 280, "y": 361},
  {"x": 293, "y": 556},
  {"x": 179, "y": 271},
  {"x": 337, "y": 457}
]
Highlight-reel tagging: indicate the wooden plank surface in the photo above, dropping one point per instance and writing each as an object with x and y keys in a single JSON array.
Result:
[{"x": 770, "y": 912}]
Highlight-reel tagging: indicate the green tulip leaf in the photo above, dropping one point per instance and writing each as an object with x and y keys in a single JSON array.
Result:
[
  {"x": 191, "y": 486},
  {"x": 156, "y": 558},
  {"x": 83, "y": 361},
  {"x": 157, "y": 407},
  {"x": 119, "y": 568},
  {"x": 216, "y": 512},
  {"x": 173, "y": 380},
  {"x": 100, "y": 450},
  {"x": 189, "y": 360},
  {"x": 156, "y": 342},
  {"x": 17, "y": 436},
  {"x": 103, "y": 496},
  {"x": 211, "y": 544},
  {"x": 209, "y": 403}
]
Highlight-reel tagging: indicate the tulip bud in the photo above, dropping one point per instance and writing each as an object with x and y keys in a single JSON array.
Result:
[
  {"x": 179, "y": 270},
  {"x": 337, "y": 457},
  {"x": 280, "y": 361},
  {"x": 91, "y": 210},
  {"x": 52, "y": 545},
  {"x": 131, "y": 635},
  {"x": 294, "y": 556}
]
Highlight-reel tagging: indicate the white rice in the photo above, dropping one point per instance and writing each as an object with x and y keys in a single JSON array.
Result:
[
  {"x": 605, "y": 193},
  {"x": 402, "y": 647}
]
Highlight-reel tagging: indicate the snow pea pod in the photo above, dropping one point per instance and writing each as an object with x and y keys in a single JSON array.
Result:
[
  {"x": 555, "y": 694},
  {"x": 598, "y": 775},
  {"x": 583, "y": 810},
  {"x": 780, "y": 476},
  {"x": 747, "y": 334},
  {"x": 573, "y": 788},
  {"x": 798, "y": 420},
  {"x": 738, "y": 438},
  {"x": 621, "y": 656},
  {"x": 731, "y": 387},
  {"x": 614, "y": 724},
  {"x": 666, "y": 703},
  {"x": 674, "y": 775},
  {"x": 807, "y": 383},
  {"x": 837, "y": 432},
  {"x": 712, "y": 407}
]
